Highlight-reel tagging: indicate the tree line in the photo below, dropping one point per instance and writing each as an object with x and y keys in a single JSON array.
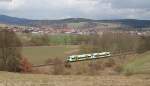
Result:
[
  {"x": 46, "y": 40},
  {"x": 115, "y": 42}
]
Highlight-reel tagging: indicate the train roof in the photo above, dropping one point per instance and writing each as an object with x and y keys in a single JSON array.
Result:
[{"x": 83, "y": 55}]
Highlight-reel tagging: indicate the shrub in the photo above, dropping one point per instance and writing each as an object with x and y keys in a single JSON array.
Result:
[
  {"x": 118, "y": 68},
  {"x": 128, "y": 73},
  {"x": 143, "y": 44},
  {"x": 58, "y": 66},
  {"x": 39, "y": 40},
  {"x": 95, "y": 67},
  {"x": 67, "y": 65},
  {"x": 110, "y": 63},
  {"x": 25, "y": 65}
]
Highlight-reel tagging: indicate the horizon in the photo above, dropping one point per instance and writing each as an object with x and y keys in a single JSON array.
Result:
[{"x": 72, "y": 18}]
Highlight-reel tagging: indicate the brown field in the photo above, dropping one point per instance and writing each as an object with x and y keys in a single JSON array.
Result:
[
  {"x": 14, "y": 79},
  {"x": 80, "y": 76}
]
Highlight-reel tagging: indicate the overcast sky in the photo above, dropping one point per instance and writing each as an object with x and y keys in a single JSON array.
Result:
[{"x": 93, "y": 9}]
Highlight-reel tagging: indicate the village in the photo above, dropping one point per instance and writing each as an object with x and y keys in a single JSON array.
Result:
[{"x": 49, "y": 30}]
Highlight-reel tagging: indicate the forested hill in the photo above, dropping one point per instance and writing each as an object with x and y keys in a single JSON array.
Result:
[{"x": 22, "y": 21}]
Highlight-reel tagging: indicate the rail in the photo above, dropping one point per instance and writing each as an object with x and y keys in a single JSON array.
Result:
[{"x": 113, "y": 55}]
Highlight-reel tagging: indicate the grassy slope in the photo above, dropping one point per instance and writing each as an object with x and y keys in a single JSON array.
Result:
[
  {"x": 38, "y": 55},
  {"x": 140, "y": 65}
]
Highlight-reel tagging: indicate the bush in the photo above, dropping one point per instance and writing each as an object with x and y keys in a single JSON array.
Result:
[
  {"x": 25, "y": 65},
  {"x": 118, "y": 68},
  {"x": 95, "y": 67},
  {"x": 144, "y": 44},
  {"x": 67, "y": 65},
  {"x": 58, "y": 66},
  {"x": 110, "y": 63},
  {"x": 129, "y": 73},
  {"x": 39, "y": 40}
]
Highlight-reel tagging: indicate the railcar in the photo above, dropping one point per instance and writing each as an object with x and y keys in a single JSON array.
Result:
[{"x": 82, "y": 57}]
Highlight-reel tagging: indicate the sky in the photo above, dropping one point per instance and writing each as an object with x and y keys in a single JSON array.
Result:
[{"x": 92, "y": 9}]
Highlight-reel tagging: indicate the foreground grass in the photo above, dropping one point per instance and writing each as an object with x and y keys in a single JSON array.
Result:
[
  {"x": 38, "y": 55},
  {"x": 17, "y": 76},
  {"x": 140, "y": 65},
  {"x": 16, "y": 79}
]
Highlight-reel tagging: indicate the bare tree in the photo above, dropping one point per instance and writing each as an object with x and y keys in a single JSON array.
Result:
[
  {"x": 113, "y": 42},
  {"x": 10, "y": 51}
]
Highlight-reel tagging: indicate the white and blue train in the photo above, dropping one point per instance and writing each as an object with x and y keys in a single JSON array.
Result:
[{"x": 74, "y": 58}]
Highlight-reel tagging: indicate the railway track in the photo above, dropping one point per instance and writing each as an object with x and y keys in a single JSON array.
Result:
[
  {"x": 125, "y": 53},
  {"x": 115, "y": 54}
]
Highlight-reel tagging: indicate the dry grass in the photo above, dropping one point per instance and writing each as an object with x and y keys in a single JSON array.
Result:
[
  {"x": 61, "y": 80},
  {"x": 140, "y": 65},
  {"x": 86, "y": 73}
]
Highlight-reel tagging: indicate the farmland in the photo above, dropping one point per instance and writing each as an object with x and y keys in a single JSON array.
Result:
[{"x": 39, "y": 54}]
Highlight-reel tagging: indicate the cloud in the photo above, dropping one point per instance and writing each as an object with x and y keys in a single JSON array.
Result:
[
  {"x": 96, "y": 9},
  {"x": 132, "y": 4}
]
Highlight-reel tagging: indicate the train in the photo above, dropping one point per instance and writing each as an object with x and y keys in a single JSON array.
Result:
[{"x": 82, "y": 57}]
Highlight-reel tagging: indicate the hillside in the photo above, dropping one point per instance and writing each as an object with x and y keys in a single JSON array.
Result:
[
  {"x": 133, "y": 23},
  {"x": 141, "y": 65},
  {"x": 13, "y": 20}
]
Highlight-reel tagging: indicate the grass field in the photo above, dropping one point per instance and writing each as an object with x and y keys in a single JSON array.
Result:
[
  {"x": 15, "y": 79},
  {"x": 140, "y": 65},
  {"x": 61, "y": 39},
  {"x": 38, "y": 55}
]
